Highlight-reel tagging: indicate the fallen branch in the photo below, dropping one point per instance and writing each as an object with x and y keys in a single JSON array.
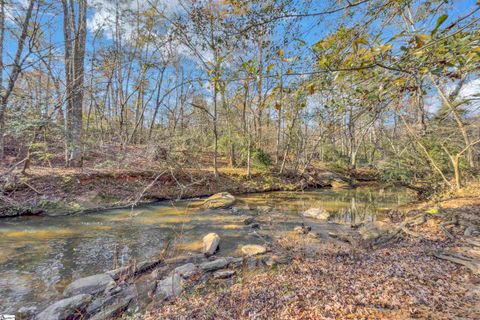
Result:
[
  {"x": 395, "y": 232},
  {"x": 31, "y": 187},
  {"x": 444, "y": 225},
  {"x": 146, "y": 189}
]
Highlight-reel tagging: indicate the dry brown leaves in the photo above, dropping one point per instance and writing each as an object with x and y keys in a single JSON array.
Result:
[{"x": 402, "y": 281}]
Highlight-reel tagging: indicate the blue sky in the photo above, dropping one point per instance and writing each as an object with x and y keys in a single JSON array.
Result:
[{"x": 101, "y": 15}]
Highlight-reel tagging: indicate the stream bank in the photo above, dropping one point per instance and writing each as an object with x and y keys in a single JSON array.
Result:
[{"x": 67, "y": 191}]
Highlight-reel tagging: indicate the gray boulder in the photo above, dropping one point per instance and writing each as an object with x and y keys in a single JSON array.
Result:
[
  {"x": 235, "y": 262},
  {"x": 121, "y": 272},
  {"x": 223, "y": 274},
  {"x": 118, "y": 301},
  {"x": 169, "y": 287},
  {"x": 25, "y": 313},
  {"x": 144, "y": 292},
  {"x": 214, "y": 265},
  {"x": 253, "y": 249},
  {"x": 111, "y": 311},
  {"x": 89, "y": 285},
  {"x": 186, "y": 270},
  {"x": 210, "y": 244},
  {"x": 316, "y": 213},
  {"x": 66, "y": 308}
]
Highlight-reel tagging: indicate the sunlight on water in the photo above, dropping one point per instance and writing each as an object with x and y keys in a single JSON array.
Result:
[
  {"x": 189, "y": 246},
  {"x": 232, "y": 226},
  {"x": 39, "y": 234},
  {"x": 40, "y": 256}
]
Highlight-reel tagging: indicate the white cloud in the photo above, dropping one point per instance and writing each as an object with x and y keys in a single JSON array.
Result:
[
  {"x": 15, "y": 9},
  {"x": 106, "y": 12},
  {"x": 470, "y": 91}
]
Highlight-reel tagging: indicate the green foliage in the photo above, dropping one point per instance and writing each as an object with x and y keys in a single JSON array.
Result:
[
  {"x": 335, "y": 159},
  {"x": 397, "y": 172},
  {"x": 261, "y": 159}
]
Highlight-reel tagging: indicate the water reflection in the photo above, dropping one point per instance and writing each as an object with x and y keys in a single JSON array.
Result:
[
  {"x": 40, "y": 255},
  {"x": 344, "y": 205}
]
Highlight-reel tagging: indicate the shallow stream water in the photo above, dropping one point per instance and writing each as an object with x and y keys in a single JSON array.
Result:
[{"x": 40, "y": 255}]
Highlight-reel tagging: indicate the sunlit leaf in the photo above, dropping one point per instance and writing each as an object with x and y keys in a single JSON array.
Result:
[{"x": 440, "y": 21}]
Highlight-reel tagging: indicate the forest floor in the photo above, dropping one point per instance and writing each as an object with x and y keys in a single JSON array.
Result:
[{"x": 402, "y": 279}]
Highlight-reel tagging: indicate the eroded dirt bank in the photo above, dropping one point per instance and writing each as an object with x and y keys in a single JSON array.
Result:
[{"x": 54, "y": 191}]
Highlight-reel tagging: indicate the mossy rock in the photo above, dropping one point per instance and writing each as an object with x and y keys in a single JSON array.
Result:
[
  {"x": 340, "y": 184},
  {"x": 219, "y": 200}
]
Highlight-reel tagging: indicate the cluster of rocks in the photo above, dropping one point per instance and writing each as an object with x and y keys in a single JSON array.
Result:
[
  {"x": 100, "y": 296},
  {"x": 107, "y": 295}
]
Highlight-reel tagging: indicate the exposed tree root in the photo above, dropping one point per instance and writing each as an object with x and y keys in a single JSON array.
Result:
[
  {"x": 472, "y": 264},
  {"x": 473, "y": 242},
  {"x": 396, "y": 231}
]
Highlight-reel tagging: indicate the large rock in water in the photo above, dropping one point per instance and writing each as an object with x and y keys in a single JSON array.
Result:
[
  {"x": 316, "y": 213},
  {"x": 210, "y": 244},
  {"x": 66, "y": 308},
  {"x": 89, "y": 285},
  {"x": 219, "y": 200},
  {"x": 253, "y": 249}
]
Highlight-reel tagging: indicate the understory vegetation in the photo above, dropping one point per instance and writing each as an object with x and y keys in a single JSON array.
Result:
[{"x": 275, "y": 85}]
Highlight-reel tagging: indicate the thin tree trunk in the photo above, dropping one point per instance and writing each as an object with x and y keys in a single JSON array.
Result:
[
  {"x": 215, "y": 131},
  {"x": 458, "y": 120},
  {"x": 3, "y": 106}
]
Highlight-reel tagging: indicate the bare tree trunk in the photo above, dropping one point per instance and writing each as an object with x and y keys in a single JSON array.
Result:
[
  {"x": 158, "y": 102},
  {"x": 457, "y": 118},
  {"x": 249, "y": 155},
  {"x": 74, "y": 72},
  {"x": 288, "y": 141},
  {"x": 215, "y": 131},
  {"x": 260, "y": 89},
  {"x": 2, "y": 111},
  {"x": 279, "y": 123}
]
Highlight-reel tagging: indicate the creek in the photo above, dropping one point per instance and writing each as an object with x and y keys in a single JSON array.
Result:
[{"x": 40, "y": 255}]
